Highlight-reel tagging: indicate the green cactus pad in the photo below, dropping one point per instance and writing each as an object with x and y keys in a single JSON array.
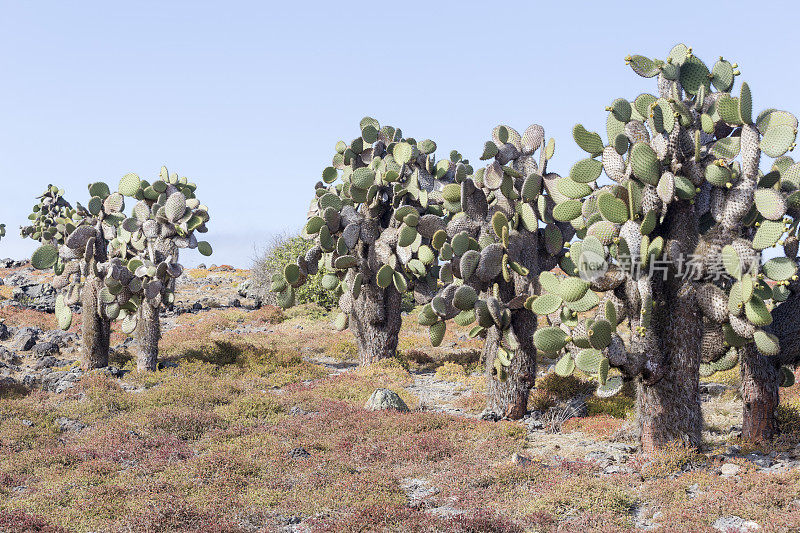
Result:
[
  {"x": 643, "y": 66},
  {"x": 528, "y": 217},
  {"x": 330, "y": 282},
  {"x": 780, "y": 268},
  {"x": 99, "y": 189},
  {"x": 63, "y": 313},
  {"x": 727, "y": 361},
  {"x": 204, "y": 248},
  {"x": 645, "y": 163},
  {"x": 588, "y": 360},
  {"x": 464, "y": 298},
  {"x": 129, "y": 185},
  {"x": 461, "y": 243},
  {"x": 344, "y": 262},
  {"x": 44, "y": 257},
  {"x": 286, "y": 298},
  {"x": 567, "y": 210},
  {"x": 341, "y": 321},
  {"x": 768, "y": 234},
  {"x": 694, "y": 74},
  {"x": 436, "y": 332},
  {"x": 612, "y": 386},
  {"x": 550, "y": 339},
  {"x": 402, "y": 152},
  {"x": 291, "y": 273},
  {"x": 531, "y": 187},
  {"x": 573, "y": 189},
  {"x": 778, "y": 140},
  {"x": 756, "y": 312},
  {"x": 588, "y": 141},
  {"x": 605, "y": 231},
  {"x": 573, "y": 289},
  {"x": 684, "y": 188},
  {"x": 499, "y": 221},
  {"x": 407, "y": 235},
  {"x": 600, "y": 333},
  {"x": 586, "y": 170},
  {"x": 546, "y": 304},
  {"x": 175, "y": 206},
  {"x": 400, "y": 282},
  {"x": 727, "y": 148},
  {"x": 384, "y": 276},
  {"x": 565, "y": 366},
  {"x": 426, "y": 316},
  {"x": 718, "y": 175},
  {"x": 612, "y": 208},
  {"x": 469, "y": 263},
  {"x": 731, "y": 261},
  {"x": 767, "y": 343}
]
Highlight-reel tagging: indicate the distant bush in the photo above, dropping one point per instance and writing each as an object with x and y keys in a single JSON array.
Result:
[{"x": 281, "y": 250}]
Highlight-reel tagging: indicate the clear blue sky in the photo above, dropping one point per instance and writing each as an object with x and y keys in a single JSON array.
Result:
[{"x": 248, "y": 99}]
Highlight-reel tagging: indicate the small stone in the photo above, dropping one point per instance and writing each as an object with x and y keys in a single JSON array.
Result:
[
  {"x": 383, "y": 399},
  {"x": 299, "y": 453},
  {"x": 46, "y": 362},
  {"x": 67, "y": 424},
  {"x": 490, "y": 415},
  {"x": 27, "y": 423},
  {"x": 197, "y": 306},
  {"x": 521, "y": 460},
  {"x": 735, "y": 523},
  {"x": 730, "y": 469},
  {"x": 3, "y": 332},
  {"x": 658, "y": 515},
  {"x": 24, "y": 339},
  {"x": 43, "y": 349}
]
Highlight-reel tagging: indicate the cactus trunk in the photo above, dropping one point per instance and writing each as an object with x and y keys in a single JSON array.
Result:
[
  {"x": 375, "y": 322},
  {"x": 509, "y": 398},
  {"x": 669, "y": 409},
  {"x": 95, "y": 329},
  {"x": 760, "y": 382},
  {"x": 148, "y": 335}
]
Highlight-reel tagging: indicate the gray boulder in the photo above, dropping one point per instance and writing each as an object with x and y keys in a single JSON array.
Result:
[
  {"x": 385, "y": 399},
  {"x": 24, "y": 339},
  {"x": 41, "y": 297}
]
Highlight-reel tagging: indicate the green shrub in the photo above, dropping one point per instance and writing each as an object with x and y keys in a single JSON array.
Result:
[{"x": 281, "y": 250}]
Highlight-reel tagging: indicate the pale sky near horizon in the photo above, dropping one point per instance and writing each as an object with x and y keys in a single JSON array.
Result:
[{"x": 248, "y": 98}]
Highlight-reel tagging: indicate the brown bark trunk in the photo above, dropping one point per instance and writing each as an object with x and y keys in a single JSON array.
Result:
[
  {"x": 760, "y": 382},
  {"x": 96, "y": 330},
  {"x": 375, "y": 321},
  {"x": 509, "y": 398},
  {"x": 148, "y": 334},
  {"x": 669, "y": 410}
]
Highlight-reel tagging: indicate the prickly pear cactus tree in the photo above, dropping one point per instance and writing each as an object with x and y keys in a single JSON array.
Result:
[
  {"x": 501, "y": 236},
  {"x": 73, "y": 245},
  {"x": 673, "y": 241},
  {"x": 51, "y": 217},
  {"x": 140, "y": 275},
  {"x": 373, "y": 219},
  {"x": 123, "y": 267}
]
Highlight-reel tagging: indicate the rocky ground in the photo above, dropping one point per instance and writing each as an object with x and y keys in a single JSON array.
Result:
[{"x": 568, "y": 438}]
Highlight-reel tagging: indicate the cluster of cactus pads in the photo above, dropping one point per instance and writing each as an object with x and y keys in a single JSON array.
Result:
[
  {"x": 500, "y": 237},
  {"x": 122, "y": 267},
  {"x": 378, "y": 220},
  {"x": 668, "y": 245}
]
